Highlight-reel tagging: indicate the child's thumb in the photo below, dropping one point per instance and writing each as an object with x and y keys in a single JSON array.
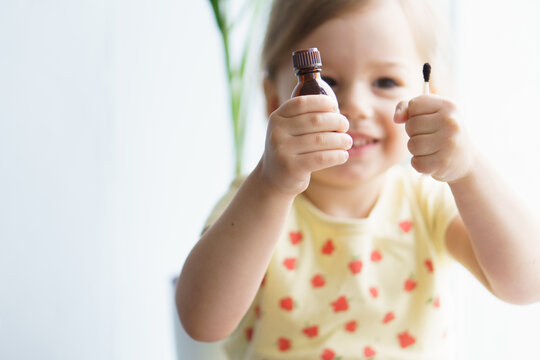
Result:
[{"x": 402, "y": 113}]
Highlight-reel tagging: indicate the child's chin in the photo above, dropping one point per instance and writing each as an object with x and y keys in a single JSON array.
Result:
[{"x": 347, "y": 175}]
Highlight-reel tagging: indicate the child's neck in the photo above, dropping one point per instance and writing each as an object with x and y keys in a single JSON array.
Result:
[{"x": 347, "y": 202}]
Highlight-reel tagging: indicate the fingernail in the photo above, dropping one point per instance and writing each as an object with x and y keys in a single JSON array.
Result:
[{"x": 399, "y": 111}]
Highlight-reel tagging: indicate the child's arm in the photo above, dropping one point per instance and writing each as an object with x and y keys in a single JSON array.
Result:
[
  {"x": 223, "y": 272},
  {"x": 495, "y": 236},
  {"x": 504, "y": 234}
]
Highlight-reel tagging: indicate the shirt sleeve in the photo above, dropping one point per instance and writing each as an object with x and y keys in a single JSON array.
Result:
[{"x": 439, "y": 208}]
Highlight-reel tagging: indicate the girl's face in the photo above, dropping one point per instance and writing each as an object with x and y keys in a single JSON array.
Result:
[{"x": 370, "y": 60}]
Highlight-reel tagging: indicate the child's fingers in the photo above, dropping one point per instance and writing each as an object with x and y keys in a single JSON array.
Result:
[
  {"x": 319, "y": 160},
  {"x": 423, "y": 124},
  {"x": 308, "y": 104},
  {"x": 424, "y": 104},
  {"x": 425, "y": 164},
  {"x": 401, "y": 113},
  {"x": 318, "y": 122},
  {"x": 424, "y": 144},
  {"x": 322, "y": 141}
]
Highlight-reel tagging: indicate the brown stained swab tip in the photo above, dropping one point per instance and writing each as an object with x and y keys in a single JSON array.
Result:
[{"x": 427, "y": 72}]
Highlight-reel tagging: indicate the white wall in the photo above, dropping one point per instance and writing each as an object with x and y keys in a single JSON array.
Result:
[
  {"x": 56, "y": 139},
  {"x": 499, "y": 90},
  {"x": 115, "y": 144}
]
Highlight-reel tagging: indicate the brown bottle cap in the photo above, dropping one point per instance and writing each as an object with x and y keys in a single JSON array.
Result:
[{"x": 307, "y": 58}]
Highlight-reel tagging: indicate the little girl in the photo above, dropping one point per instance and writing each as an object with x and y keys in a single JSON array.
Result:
[{"x": 330, "y": 248}]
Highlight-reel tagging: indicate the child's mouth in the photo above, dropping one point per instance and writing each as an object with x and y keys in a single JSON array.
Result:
[{"x": 361, "y": 144}]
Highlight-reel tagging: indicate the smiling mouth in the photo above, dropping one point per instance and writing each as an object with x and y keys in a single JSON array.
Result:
[
  {"x": 362, "y": 145},
  {"x": 363, "y": 141}
]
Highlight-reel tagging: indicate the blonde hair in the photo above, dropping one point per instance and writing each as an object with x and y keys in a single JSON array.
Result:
[{"x": 291, "y": 21}]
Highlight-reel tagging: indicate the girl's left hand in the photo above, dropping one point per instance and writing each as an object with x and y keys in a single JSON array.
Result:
[{"x": 438, "y": 142}]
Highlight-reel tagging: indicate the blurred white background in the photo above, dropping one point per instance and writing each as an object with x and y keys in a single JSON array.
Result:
[{"x": 115, "y": 144}]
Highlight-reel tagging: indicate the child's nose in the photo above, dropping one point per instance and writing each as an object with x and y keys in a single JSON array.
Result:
[{"x": 356, "y": 103}]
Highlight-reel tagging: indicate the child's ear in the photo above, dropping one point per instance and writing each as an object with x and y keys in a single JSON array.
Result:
[{"x": 271, "y": 95}]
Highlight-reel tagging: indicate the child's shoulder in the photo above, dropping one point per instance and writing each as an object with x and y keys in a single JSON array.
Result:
[
  {"x": 432, "y": 198},
  {"x": 420, "y": 191},
  {"x": 404, "y": 173},
  {"x": 225, "y": 200},
  {"x": 407, "y": 178}
]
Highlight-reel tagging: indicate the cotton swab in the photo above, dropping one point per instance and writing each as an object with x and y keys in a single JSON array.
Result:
[{"x": 427, "y": 72}]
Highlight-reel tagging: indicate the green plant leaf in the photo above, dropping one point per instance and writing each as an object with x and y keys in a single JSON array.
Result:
[{"x": 237, "y": 71}]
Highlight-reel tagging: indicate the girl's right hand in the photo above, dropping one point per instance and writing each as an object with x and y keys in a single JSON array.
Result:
[{"x": 305, "y": 134}]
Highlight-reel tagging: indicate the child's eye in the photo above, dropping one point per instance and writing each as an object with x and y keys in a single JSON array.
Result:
[
  {"x": 329, "y": 81},
  {"x": 385, "y": 83}
]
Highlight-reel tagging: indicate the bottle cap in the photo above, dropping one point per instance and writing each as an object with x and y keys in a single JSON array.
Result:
[{"x": 307, "y": 58}]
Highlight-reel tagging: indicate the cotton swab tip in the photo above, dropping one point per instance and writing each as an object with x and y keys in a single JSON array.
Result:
[{"x": 427, "y": 72}]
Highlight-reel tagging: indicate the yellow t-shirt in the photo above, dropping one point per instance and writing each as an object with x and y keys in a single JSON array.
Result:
[{"x": 371, "y": 288}]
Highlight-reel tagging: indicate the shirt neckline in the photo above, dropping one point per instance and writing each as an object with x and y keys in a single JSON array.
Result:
[{"x": 346, "y": 223}]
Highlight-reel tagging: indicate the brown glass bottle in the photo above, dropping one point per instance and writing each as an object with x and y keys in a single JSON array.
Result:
[{"x": 308, "y": 65}]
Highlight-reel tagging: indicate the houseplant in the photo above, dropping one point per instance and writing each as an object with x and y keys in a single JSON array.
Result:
[{"x": 239, "y": 24}]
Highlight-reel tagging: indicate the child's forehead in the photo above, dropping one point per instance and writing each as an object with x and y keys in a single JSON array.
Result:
[
  {"x": 380, "y": 33},
  {"x": 384, "y": 18}
]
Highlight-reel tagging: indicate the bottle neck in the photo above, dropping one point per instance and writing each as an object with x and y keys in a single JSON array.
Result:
[{"x": 309, "y": 73}]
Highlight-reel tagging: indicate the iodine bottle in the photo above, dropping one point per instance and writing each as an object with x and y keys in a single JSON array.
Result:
[{"x": 308, "y": 65}]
